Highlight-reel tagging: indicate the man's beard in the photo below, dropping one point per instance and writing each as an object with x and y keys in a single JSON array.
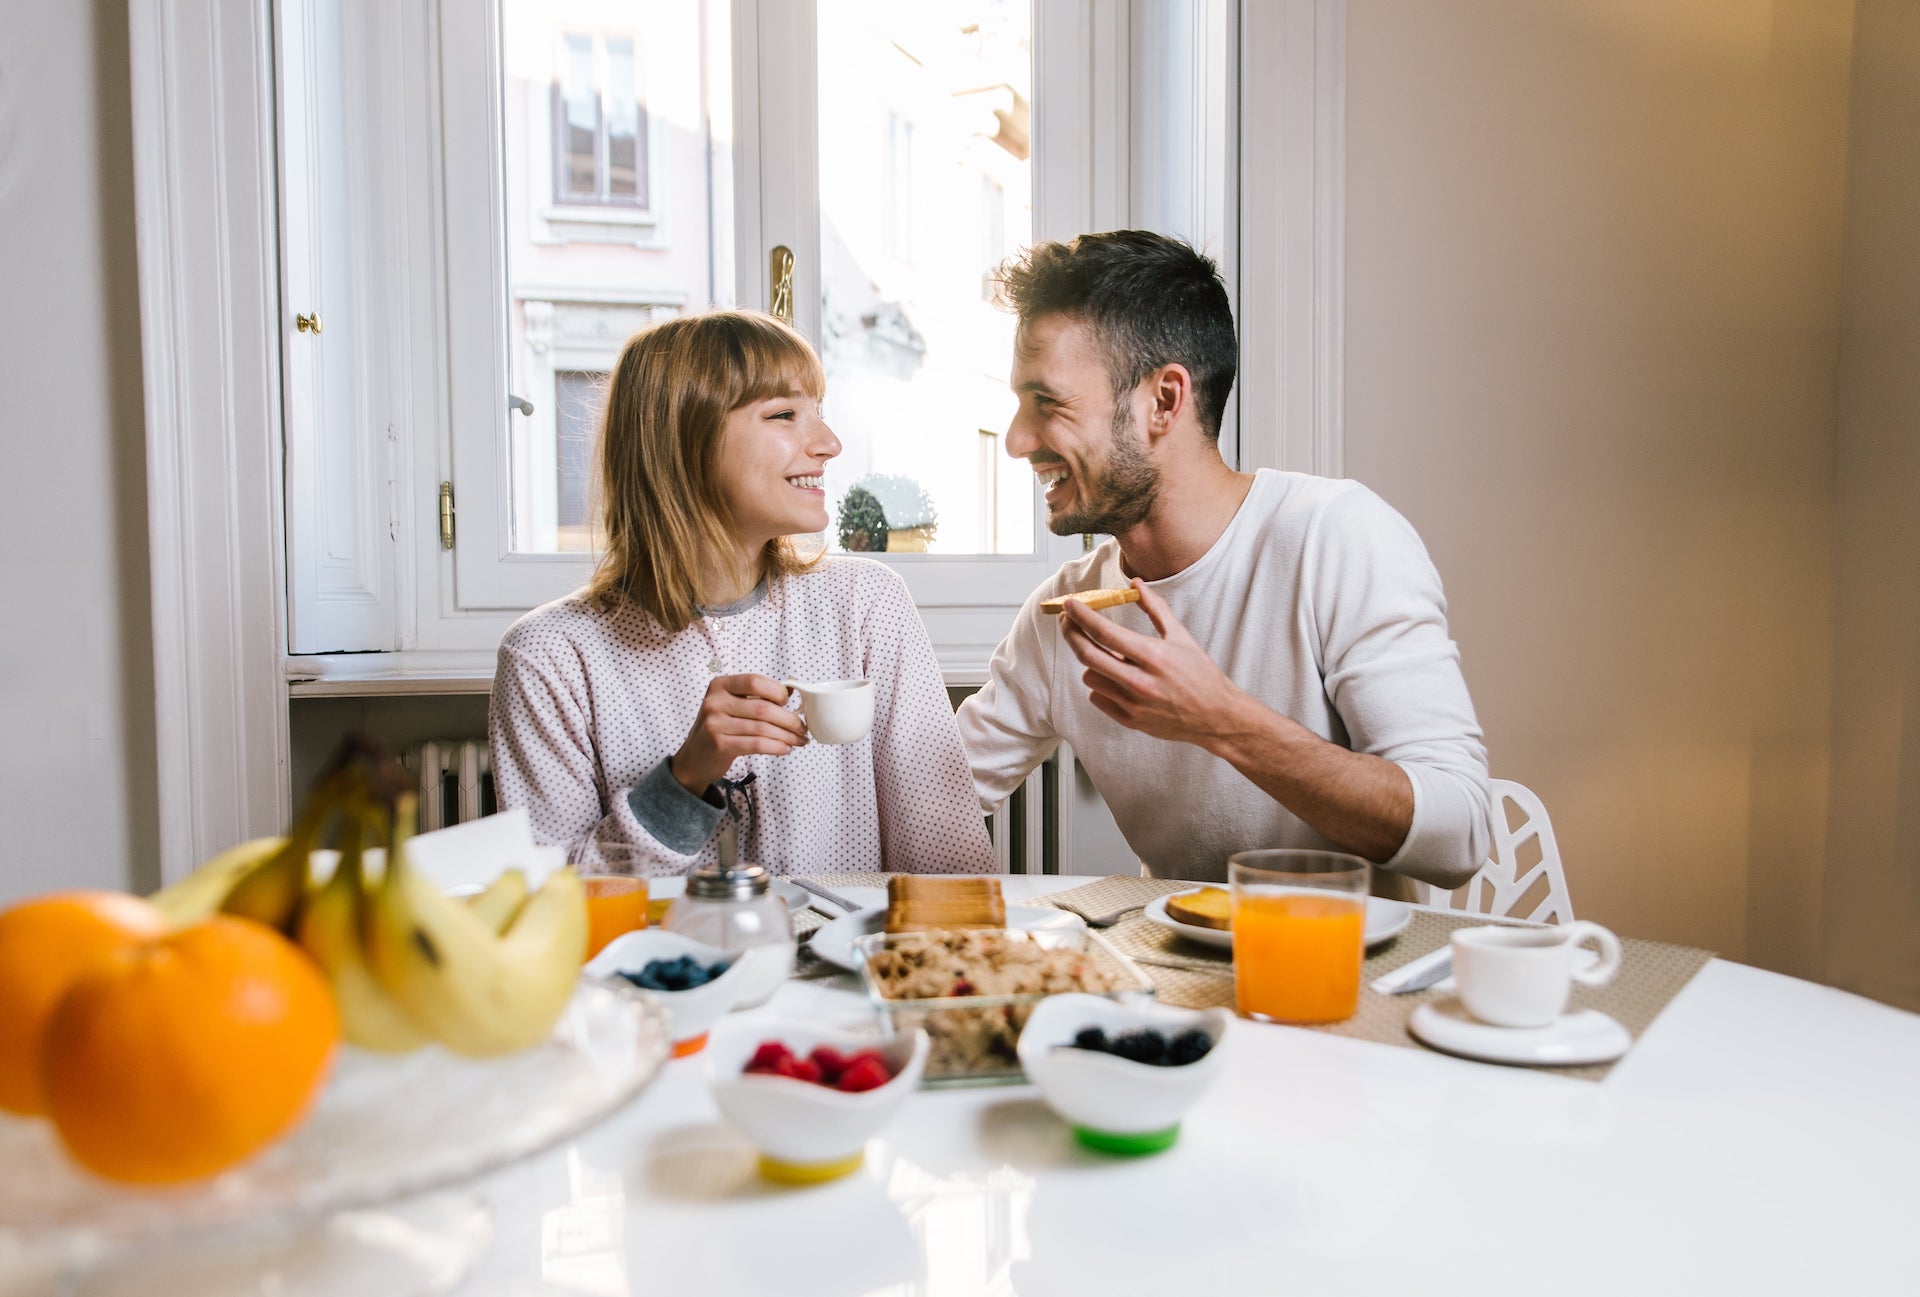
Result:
[{"x": 1125, "y": 492}]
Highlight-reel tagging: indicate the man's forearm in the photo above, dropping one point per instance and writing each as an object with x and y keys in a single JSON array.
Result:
[{"x": 1362, "y": 802}]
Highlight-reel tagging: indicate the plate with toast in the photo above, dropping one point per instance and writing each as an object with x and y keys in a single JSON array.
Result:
[
  {"x": 928, "y": 902},
  {"x": 1205, "y": 916}
]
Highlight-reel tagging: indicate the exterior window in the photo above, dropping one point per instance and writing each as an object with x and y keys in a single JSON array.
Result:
[
  {"x": 897, "y": 168},
  {"x": 599, "y": 123},
  {"x": 577, "y": 394}
]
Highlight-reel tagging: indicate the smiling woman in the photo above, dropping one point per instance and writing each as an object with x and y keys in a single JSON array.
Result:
[{"x": 631, "y": 717}]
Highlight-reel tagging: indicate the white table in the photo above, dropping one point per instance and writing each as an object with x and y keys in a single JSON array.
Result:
[{"x": 1762, "y": 1137}]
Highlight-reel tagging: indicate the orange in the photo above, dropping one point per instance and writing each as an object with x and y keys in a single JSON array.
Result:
[
  {"x": 183, "y": 1056},
  {"x": 45, "y": 943}
]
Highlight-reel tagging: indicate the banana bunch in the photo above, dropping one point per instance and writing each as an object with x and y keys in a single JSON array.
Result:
[{"x": 409, "y": 965}]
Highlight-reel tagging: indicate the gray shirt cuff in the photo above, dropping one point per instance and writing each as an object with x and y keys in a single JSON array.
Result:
[{"x": 676, "y": 818}]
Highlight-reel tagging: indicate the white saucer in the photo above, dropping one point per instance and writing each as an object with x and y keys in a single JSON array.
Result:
[
  {"x": 834, "y": 940},
  {"x": 1385, "y": 919},
  {"x": 1586, "y": 1036}
]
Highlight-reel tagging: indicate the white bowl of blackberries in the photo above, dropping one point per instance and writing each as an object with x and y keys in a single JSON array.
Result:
[
  {"x": 1122, "y": 1075},
  {"x": 698, "y": 983}
]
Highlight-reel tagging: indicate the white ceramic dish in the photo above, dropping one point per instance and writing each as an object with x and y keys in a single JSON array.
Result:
[
  {"x": 1385, "y": 919},
  {"x": 807, "y": 1132},
  {"x": 834, "y": 940},
  {"x": 694, "y": 1011},
  {"x": 1136, "y": 1107},
  {"x": 1584, "y": 1036}
]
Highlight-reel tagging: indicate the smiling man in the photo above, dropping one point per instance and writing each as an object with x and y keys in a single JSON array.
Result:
[{"x": 1287, "y": 678}]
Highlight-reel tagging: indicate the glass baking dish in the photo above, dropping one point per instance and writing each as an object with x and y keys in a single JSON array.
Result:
[{"x": 975, "y": 1036}]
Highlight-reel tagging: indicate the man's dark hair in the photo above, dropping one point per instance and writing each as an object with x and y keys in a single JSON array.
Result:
[{"x": 1151, "y": 300}]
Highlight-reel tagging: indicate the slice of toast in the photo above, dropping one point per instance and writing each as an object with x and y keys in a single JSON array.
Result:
[
  {"x": 1210, "y": 907},
  {"x": 920, "y": 903},
  {"x": 1094, "y": 599}
]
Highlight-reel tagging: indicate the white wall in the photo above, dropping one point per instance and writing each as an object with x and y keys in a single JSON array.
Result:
[
  {"x": 76, "y": 695},
  {"x": 1872, "y": 894},
  {"x": 1593, "y": 267}
]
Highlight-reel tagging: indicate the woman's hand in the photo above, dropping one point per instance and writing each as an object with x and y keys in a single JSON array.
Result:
[{"x": 740, "y": 715}]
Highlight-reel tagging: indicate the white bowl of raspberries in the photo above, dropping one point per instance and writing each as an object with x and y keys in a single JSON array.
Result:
[
  {"x": 1122, "y": 1075},
  {"x": 810, "y": 1097},
  {"x": 698, "y": 983}
]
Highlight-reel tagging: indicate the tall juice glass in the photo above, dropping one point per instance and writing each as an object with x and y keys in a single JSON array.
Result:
[
  {"x": 1299, "y": 934},
  {"x": 616, "y": 904}
]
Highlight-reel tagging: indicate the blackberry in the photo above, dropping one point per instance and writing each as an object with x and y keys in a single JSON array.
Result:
[
  {"x": 1090, "y": 1038},
  {"x": 1188, "y": 1047}
]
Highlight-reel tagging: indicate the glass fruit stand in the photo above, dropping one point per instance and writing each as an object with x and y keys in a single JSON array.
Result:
[{"x": 346, "y": 1203}]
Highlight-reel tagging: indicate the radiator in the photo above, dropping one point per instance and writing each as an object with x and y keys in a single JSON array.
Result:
[
  {"x": 456, "y": 781},
  {"x": 456, "y": 785}
]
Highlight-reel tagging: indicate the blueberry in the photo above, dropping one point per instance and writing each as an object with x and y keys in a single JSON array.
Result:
[
  {"x": 1188, "y": 1047},
  {"x": 1090, "y": 1038},
  {"x": 1141, "y": 1046}
]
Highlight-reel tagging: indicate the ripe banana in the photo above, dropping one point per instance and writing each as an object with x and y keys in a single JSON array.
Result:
[
  {"x": 330, "y": 928},
  {"x": 273, "y": 891},
  {"x": 199, "y": 894},
  {"x": 479, "y": 993},
  {"x": 501, "y": 901}
]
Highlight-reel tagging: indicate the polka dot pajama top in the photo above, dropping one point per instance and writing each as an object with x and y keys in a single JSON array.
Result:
[{"x": 589, "y": 705}]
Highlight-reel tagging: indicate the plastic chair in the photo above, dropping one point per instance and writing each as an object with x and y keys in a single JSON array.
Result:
[{"x": 1524, "y": 853}]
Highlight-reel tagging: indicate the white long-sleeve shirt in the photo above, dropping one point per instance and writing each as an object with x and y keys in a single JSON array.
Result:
[
  {"x": 1318, "y": 600},
  {"x": 589, "y": 705}
]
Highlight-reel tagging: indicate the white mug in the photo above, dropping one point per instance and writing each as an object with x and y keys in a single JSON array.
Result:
[
  {"x": 837, "y": 711},
  {"x": 1520, "y": 977}
]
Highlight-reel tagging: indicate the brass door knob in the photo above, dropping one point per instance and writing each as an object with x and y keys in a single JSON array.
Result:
[{"x": 307, "y": 323}]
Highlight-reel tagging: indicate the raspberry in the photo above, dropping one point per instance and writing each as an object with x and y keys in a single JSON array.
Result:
[
  {"x": 865, "y": 1071},
  {"x": 767, "y": 1058},
  {"x": 830, "y": 1061},
  {"x": 799, "y": 1069}
]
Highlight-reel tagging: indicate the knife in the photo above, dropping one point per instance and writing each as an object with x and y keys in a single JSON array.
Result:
[
  {"x": 831, "y": 897},
  {"x": 1418, "y": 974}
]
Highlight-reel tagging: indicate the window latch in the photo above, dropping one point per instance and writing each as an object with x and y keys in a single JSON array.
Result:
[{"x": 520, "y": 403}]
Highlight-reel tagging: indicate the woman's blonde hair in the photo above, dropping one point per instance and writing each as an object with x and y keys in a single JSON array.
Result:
[{"x": 666, "y": 405}]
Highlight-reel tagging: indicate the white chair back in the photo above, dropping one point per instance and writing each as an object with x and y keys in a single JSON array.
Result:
[{"x": 1525, "y": 855}]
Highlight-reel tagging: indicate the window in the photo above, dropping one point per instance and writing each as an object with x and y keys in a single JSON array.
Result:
[
  {"x": 896, "y": 187},
  {"x": 521, "y": 185},
  {"x": 577, "y": 396},
  {"x": 599, "y": 123}
]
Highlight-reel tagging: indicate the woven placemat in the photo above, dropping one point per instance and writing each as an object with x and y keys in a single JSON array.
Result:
[{"x": 1194, "y": 976}]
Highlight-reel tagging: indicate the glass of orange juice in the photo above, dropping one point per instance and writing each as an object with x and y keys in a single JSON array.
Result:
[
  {"x": 1299, "y": 933},
  {"x": 616, "y": 904}
]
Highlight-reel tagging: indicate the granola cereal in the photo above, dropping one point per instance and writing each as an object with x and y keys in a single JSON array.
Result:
[{"x": 955, "y": 964}]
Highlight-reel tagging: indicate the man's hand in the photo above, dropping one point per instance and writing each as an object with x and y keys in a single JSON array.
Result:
[
  {"x": 740, "y": 715},
  {"x": 1167, "y": 687},
  {"x": 1171, "y": 689}
]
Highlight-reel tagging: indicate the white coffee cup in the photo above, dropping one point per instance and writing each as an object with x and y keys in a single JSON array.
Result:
[
  {"x": 837, "y": 711},
  {"x": 1520, "y": 977}
]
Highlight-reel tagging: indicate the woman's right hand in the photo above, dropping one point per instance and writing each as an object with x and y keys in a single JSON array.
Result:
[{"x": 740, "y": 715}]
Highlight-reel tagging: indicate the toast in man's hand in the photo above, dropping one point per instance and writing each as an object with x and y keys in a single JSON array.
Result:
[{"x": 1093, "y": 599}]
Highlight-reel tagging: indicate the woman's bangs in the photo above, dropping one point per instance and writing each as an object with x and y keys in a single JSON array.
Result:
[{"x": 777, "y": 363}]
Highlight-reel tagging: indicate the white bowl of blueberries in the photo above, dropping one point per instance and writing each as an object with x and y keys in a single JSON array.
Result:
[
  {"x": 1122, "y": 1075},
  {"x": 698, "y": 983}
]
